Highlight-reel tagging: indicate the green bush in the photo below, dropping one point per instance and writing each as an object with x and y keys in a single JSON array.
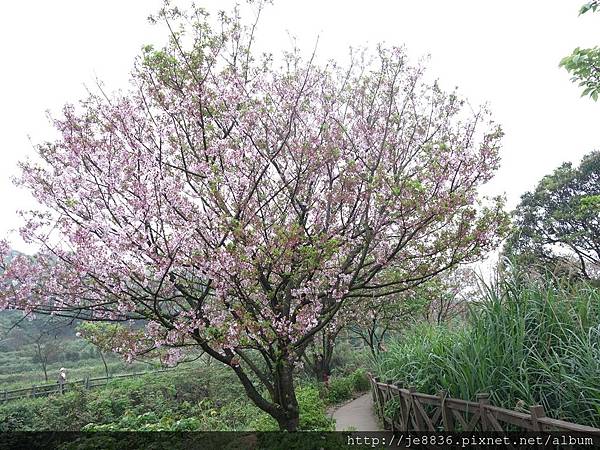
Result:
[
  {"x": 340, "y": 389},
  {"x": 207, "y": 398},
  {"x": 360, "y": 381},
  {"x": 132, "y": 397},
  {"x": 18, "y": 415},
  {"x": 313, "y": 414},
  {"x": 343, "y": 388}
]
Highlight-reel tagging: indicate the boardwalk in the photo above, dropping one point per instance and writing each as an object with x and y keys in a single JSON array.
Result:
[{"x": 357, "y": 415}]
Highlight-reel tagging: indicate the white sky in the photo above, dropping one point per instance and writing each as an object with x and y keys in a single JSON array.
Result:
[{"x": 504, "y": 52}]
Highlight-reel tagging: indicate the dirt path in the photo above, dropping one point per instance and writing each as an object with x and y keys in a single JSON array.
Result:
[{"x": 358, "y": 415}]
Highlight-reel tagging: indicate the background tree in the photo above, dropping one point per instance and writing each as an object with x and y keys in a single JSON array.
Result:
[
  {"x": 383, "y": 316},
  {"x": 43, "y": 337},
  {"x": 559, "y": 222},
  {"x": 584, "y": 63},
  {"x": 318, "y": 354},
  {"x": 447, "y": 295},
  {"x": 437, "y": 300},
  {"x": 236, "y": 204},
  {"x": 103, "y": 336},
  {"x": 46, "y": 352}
]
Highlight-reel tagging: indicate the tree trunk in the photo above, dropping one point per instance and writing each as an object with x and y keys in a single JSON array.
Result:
[
  {"x": 283, "y": 406},
  {"x": 289, "y": 424},
  {"x": 322, "y": 354},
  {"x": 319, "y": 370},
  {"x": 322, "y": 367},
  {"x": 45, "y": 372},
  {"x": 43, "y": 360},
  {"x": 104, "y": 362},
  {"x": 288, "y": 416}
]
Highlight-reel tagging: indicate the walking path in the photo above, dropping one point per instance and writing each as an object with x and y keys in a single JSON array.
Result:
[{"x": 358, "y": 415}]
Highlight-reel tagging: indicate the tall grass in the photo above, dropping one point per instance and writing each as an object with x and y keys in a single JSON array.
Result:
[{"x": 528, "y": 342}]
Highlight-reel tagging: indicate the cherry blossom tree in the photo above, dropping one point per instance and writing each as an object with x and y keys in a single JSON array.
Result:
[{"x": 235, "y": 203}]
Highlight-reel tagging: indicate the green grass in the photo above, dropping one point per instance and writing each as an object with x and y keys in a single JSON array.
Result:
[
  {"x": 196, "y": 399},
  {"x": 17, "y": 369},
  {"x": 528, "y": 342}
]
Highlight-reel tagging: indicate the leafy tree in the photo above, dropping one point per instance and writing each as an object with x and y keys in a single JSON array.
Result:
[
  {"x": 560, "y": 220},
  {"x": 236, "y": 204},
  {"x": 447, "y": 295},
  {"x": 584, "y": 63},
  {"x": 46, "y": 352},
  {"x": 384, "y": 316},
  {"x": 438, "y": 300},
  {"x": 43, "y": 338},
  {"x": 102, "y": 336}
]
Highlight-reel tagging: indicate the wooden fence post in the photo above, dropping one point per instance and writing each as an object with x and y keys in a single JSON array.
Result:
[
  {"x": 484, "y": 400},
  {"x": 390, "y": 396},
  {"x": 416, "y": 414},
  {"x": 405, "y": 407},
  {"x": 537, "y": 412},
  {"x": 87, "y": 382},
  {"x": 373, "y": 387},
  {"x": 33, "y": 391},
  {"x": 447, "y": 417},
  {"x": 379, "y": 402}
]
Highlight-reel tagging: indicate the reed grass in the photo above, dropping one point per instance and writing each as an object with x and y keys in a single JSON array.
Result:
[{"x": 529, "y": 341}]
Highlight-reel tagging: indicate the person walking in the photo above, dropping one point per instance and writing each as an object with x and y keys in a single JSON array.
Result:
[{"x": 62, "y": 379}]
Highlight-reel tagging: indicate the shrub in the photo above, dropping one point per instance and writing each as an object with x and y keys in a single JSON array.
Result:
[
  {"x": 360, "y": 381},
  {"x": 18, "y": 415},
  {"x": 313, "y": 414},
  {"x": 340, "y": 389}
]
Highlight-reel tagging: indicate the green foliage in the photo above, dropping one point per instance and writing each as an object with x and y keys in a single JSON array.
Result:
[
  {"x": 18, "y": 367},
  {"x": 340, "y": 389},
  {"x": 584, "y": 66},
  {"x": 313, "y": 414},
  {"x": 121, "y": 397},
  {"x": 529, "y": 342},
  {"x": 186, "y": 400},
  {"x": 391, "y": 408},
  {"x": 263, "y": 422},
  {"x": 149, "y": 421},
  {"x": 563, "y": 213},
  {"x": 18, "y": 416},
  {"x": 360, "y": 381},
  {"x": 584, "y": 63}
]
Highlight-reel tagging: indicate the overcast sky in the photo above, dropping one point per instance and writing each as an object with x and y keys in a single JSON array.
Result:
[{"x": 505, "y": 53}]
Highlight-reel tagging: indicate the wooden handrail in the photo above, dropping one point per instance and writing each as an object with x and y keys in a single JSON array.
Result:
[{"x": 449, "y": 414}]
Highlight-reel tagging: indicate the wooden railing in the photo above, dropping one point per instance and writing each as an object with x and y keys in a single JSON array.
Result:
[
  {"x": 43, "y": 390},
  {"x": 407, "y": 410}
]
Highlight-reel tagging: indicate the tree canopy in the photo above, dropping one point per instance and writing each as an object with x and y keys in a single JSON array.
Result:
[{"x": 561, "y": 218}]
